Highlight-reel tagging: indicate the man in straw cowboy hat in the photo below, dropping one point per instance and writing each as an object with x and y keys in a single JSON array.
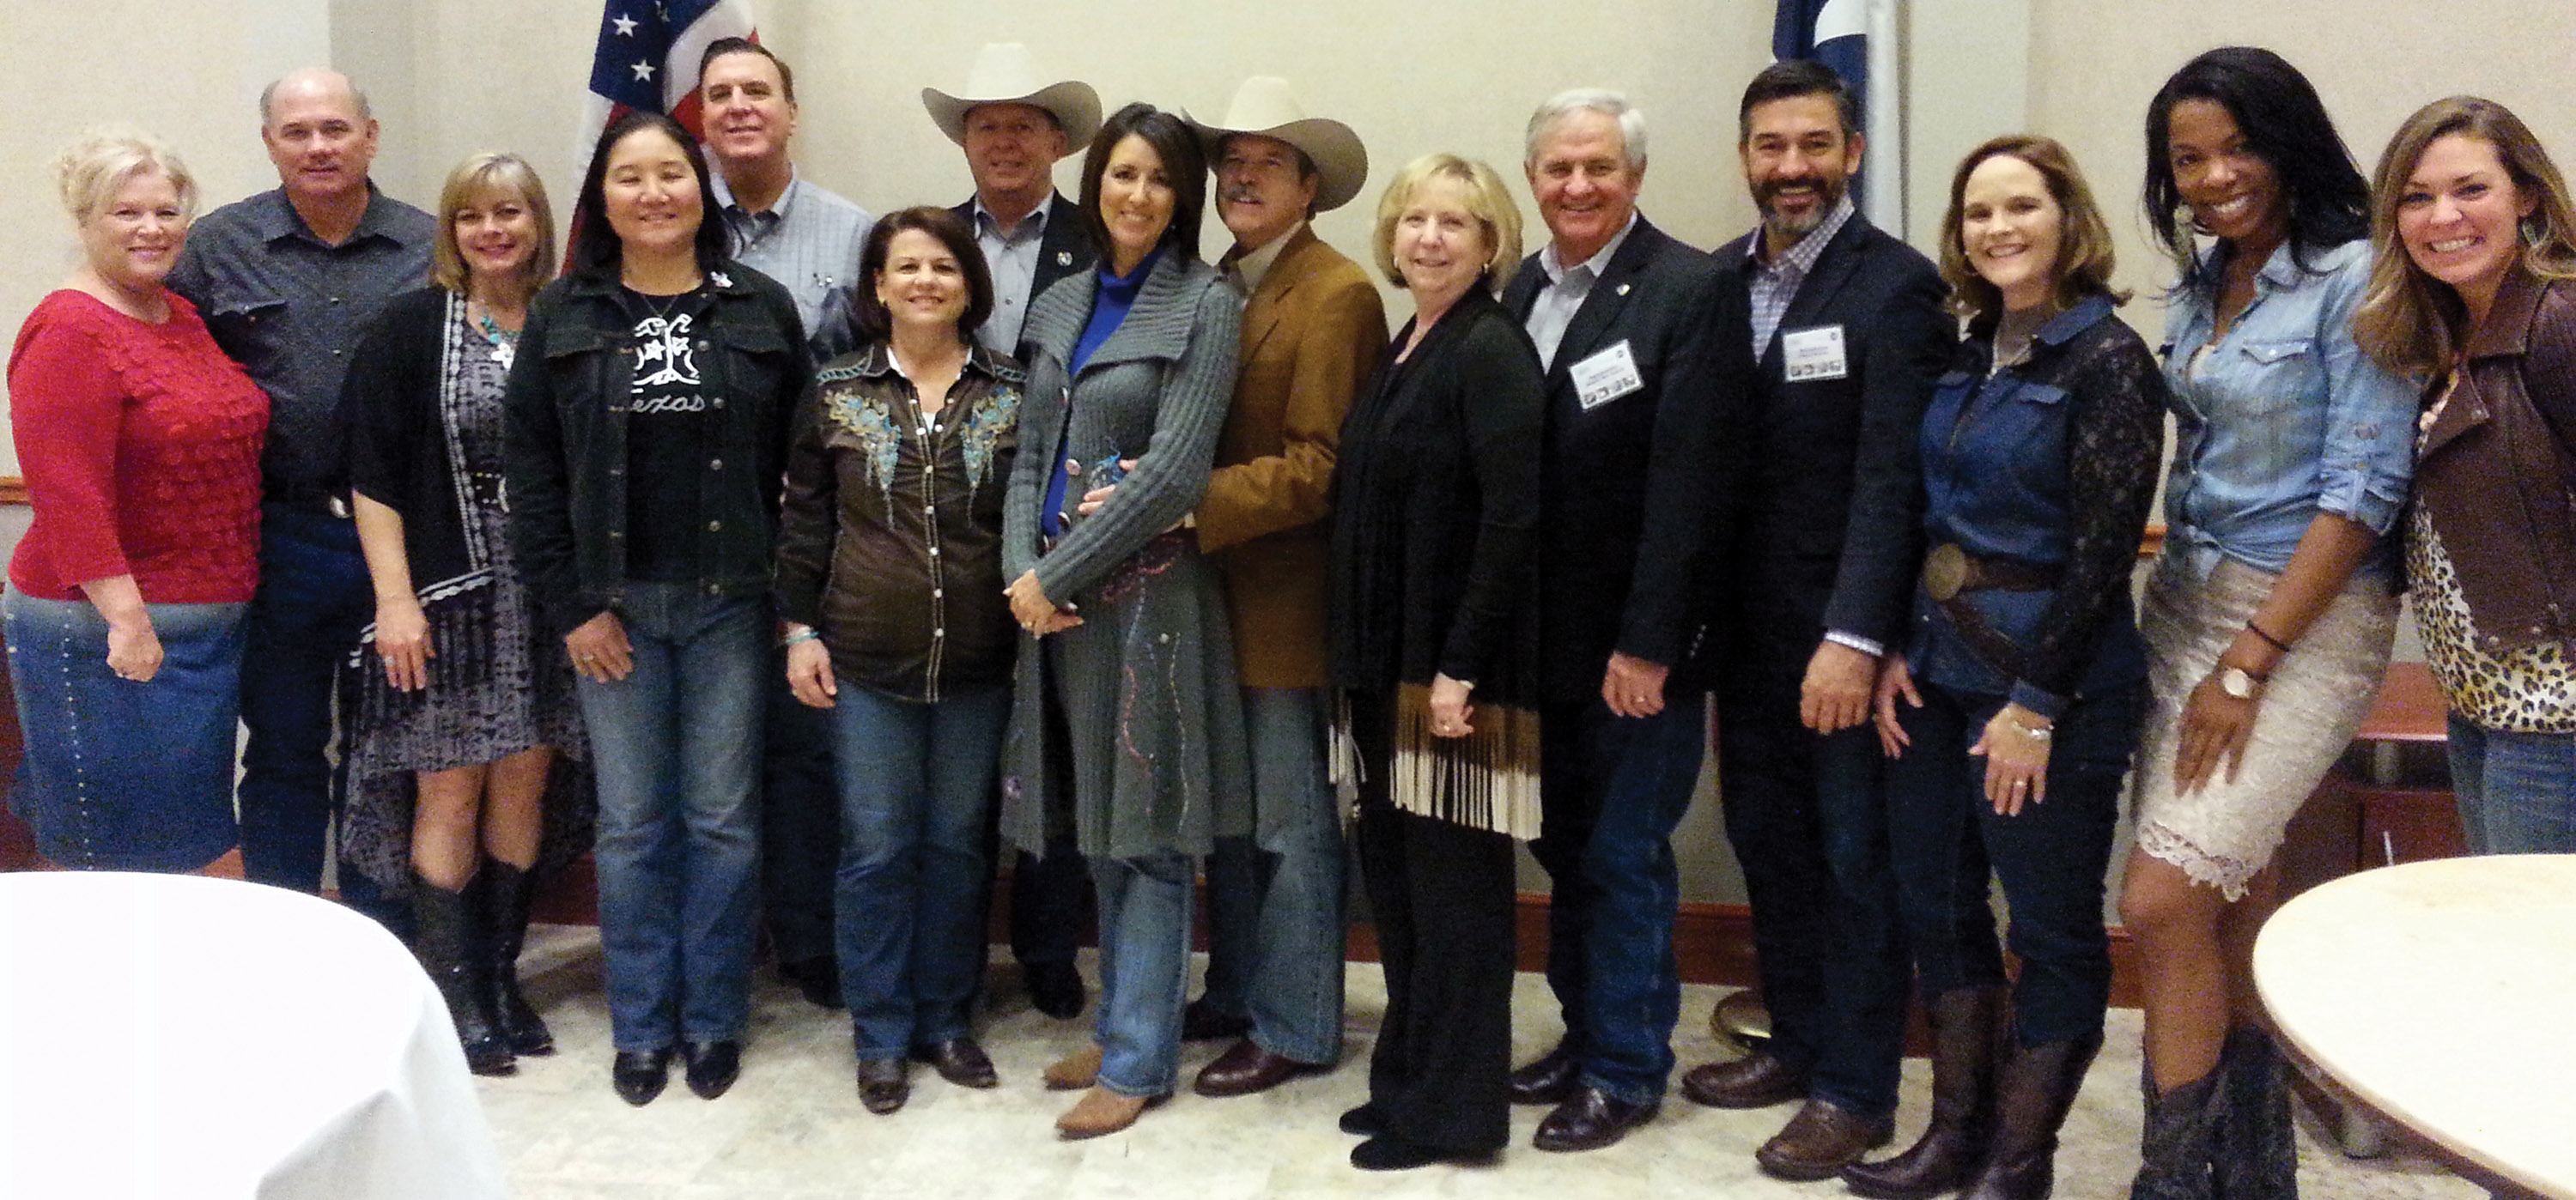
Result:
[
  {"x": 1313, "y": 328},
  {"x": 1013, "y": 130}
]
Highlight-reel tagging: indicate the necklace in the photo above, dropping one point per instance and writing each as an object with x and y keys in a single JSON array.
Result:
[{"x": 505, "y": 342}]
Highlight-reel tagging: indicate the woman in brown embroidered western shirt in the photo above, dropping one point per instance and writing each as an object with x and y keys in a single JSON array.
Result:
[{"x": 890, "y": 579}]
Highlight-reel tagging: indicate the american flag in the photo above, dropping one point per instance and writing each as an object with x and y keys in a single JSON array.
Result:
[{"x": 648, "y": 58}]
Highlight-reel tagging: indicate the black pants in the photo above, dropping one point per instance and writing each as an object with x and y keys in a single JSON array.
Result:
[
  {"x": 800, "y": 824},
  {"x": 1441, "y": 897},
  {"x": 1808, "y": 821}
]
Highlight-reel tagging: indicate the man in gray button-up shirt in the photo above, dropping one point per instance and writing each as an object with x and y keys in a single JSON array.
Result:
[
  {"x": 776, "y": 223},
  {"x": 286, "y": 280},
  {"x": 808, "y": 240}
]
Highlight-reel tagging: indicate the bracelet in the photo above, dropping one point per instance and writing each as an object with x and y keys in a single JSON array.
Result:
[
  {"x": 2257, "y": 630},
  {"x": 805, "y": 634},
  {"x": 2036, "y": 733}
]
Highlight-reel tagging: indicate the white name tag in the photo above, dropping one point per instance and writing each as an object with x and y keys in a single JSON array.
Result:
[
  {"x": 1605, "y": 376},
  {"x": 1817, "y": 353}
]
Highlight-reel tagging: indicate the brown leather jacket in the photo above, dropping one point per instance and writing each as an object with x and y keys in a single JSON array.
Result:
[{"x": 2497, "y": 472}]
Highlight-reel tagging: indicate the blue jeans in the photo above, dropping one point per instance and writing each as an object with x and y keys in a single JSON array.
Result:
[
  {"x": 2051, "y": 857},
  {"x": 1144, "y": 970},
  {"x": 677, "y": 745},
  {"x": 916, "y": 781},
  {"x": 313, "y": 598},
  {"x": 2517, "y": 791},
  {"x": 1615, "y": 788},
  {"x": 1275, "y": 899}
]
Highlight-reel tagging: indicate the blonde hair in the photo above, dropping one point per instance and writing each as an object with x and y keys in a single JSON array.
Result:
[
  {"x": 476, "y": 177},
  {"x": 2409, "y": 322},
  {"x": 91, "y": 170},
  {"x": 2084, "y": 252},
  {"x": 1485, "y": 198}
]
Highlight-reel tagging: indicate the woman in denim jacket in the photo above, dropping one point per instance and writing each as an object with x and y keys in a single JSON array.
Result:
[
  {"x": 648, "y": 412},
  {"x": 2475, "y": 295},
  {"x": 2271, "y": 611},
  {"x": 2039, "y": 459}
]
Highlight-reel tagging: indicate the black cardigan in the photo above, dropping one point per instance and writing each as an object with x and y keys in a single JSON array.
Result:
[
  {"x": 398, "y": 451},
  {"x": 1435, "y": 512}
]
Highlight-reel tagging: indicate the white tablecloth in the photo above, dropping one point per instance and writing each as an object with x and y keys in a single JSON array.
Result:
[{"x": 180, "y": 1036}]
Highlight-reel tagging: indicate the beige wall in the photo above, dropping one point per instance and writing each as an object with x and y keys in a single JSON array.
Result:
[{"x": 450, "y": 77}]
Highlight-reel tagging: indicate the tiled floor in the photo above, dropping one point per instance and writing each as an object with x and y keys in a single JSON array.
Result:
[{"x": 792, "y": 1129}]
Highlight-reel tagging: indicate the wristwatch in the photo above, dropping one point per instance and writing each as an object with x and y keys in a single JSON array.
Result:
[{"x": 2238, "y": 682}]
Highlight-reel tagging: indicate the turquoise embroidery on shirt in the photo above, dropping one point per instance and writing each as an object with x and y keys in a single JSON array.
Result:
[
  {"x": 992, "y": 417},
  {"x": 868, "y": 421}
]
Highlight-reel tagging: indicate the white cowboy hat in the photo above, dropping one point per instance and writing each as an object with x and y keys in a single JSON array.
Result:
[
  {"x": 1265, "y": 106},
  {"x": 1004, "y": 74}
]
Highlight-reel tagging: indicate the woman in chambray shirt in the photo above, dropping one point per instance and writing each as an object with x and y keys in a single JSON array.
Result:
[{"x": 2270, "y": 614}]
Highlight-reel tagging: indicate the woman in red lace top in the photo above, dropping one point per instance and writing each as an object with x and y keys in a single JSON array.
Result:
[{"x": 140, "y": 445}]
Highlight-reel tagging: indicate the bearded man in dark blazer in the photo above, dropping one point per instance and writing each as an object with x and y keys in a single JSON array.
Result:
[
  {"x": 1848, "y": 326},
  {"x": 1647, "y": 376}
]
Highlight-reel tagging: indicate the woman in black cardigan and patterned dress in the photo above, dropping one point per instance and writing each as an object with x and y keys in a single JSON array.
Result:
[{"x": 455, "y": 695}]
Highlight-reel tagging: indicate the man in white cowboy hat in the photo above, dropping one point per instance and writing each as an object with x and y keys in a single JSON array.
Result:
[
  {"x": 1313, "y": 328},
  {"x": 1013, "y": 131},
  {"x": 781, "y": 225}
]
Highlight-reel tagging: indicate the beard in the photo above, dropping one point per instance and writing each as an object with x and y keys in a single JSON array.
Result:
[{"x": 1797, "y": 225}]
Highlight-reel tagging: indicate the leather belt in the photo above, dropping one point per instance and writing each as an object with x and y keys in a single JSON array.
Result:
[{"x": 1950, "y": 573}]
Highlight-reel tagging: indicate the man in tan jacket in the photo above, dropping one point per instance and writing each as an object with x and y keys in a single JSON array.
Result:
[{"x": 1313, "y": 330}]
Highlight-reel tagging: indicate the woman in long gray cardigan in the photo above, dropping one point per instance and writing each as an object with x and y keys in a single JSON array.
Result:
[{"x": 1126, "y": 719}]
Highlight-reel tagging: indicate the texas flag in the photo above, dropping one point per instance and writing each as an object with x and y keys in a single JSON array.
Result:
[
  {"x": 1836, "y": 33},
  {"x": 648, "y": 58}
]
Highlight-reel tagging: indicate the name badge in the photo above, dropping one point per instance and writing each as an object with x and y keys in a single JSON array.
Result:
[
  {"x": 1605, "y": 376},
  {"x": 1810, "y": 354}
]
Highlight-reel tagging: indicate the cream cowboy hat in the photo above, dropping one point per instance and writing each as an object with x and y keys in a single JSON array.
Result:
[
  {"x": 1265, "y": 106},
  {"x": 1004, "y": 74}
]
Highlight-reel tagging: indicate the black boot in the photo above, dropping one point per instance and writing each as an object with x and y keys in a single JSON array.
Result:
[
  {"x": 443, "y": 938},
  {"x": 1967, "y": 1023},
  {"x": 2033, "y": 1091},
  {"x": 510, "y": 890},
  {"x": 2177, "y": 1143},
  {"x": 2258, "y": 1151}
]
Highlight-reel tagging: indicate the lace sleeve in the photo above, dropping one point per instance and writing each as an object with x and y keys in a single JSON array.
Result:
[{"x": 2115, "y": 439}]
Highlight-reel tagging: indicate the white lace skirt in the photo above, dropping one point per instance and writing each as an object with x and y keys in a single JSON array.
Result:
[{"x": 2223, "y": 834}]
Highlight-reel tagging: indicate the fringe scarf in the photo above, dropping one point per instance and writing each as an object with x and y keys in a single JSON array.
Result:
[{"x": 1486, "y": 780}]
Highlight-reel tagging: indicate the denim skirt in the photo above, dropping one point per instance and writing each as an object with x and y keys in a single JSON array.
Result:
[{"x": 120, "y": 775}]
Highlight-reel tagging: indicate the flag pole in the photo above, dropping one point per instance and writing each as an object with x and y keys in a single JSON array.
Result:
[{"x": 1885, "y": 109}]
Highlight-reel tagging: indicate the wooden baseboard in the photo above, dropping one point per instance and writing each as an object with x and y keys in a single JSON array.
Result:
[{"x": 13, "y": 490}]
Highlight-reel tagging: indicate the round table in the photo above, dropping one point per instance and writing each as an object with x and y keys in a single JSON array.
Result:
[
  {"x": 175, "y": 1035},
  {"x": 2438, "y": 992}
]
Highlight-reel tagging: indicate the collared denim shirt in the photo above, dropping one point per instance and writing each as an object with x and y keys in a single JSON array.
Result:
[
  {"x": 1996, "y": 482},
  {"x": 2285, "y": 419}
]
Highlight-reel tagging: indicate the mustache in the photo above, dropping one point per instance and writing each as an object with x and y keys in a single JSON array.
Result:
[{"x": 1239, "y": 195}]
